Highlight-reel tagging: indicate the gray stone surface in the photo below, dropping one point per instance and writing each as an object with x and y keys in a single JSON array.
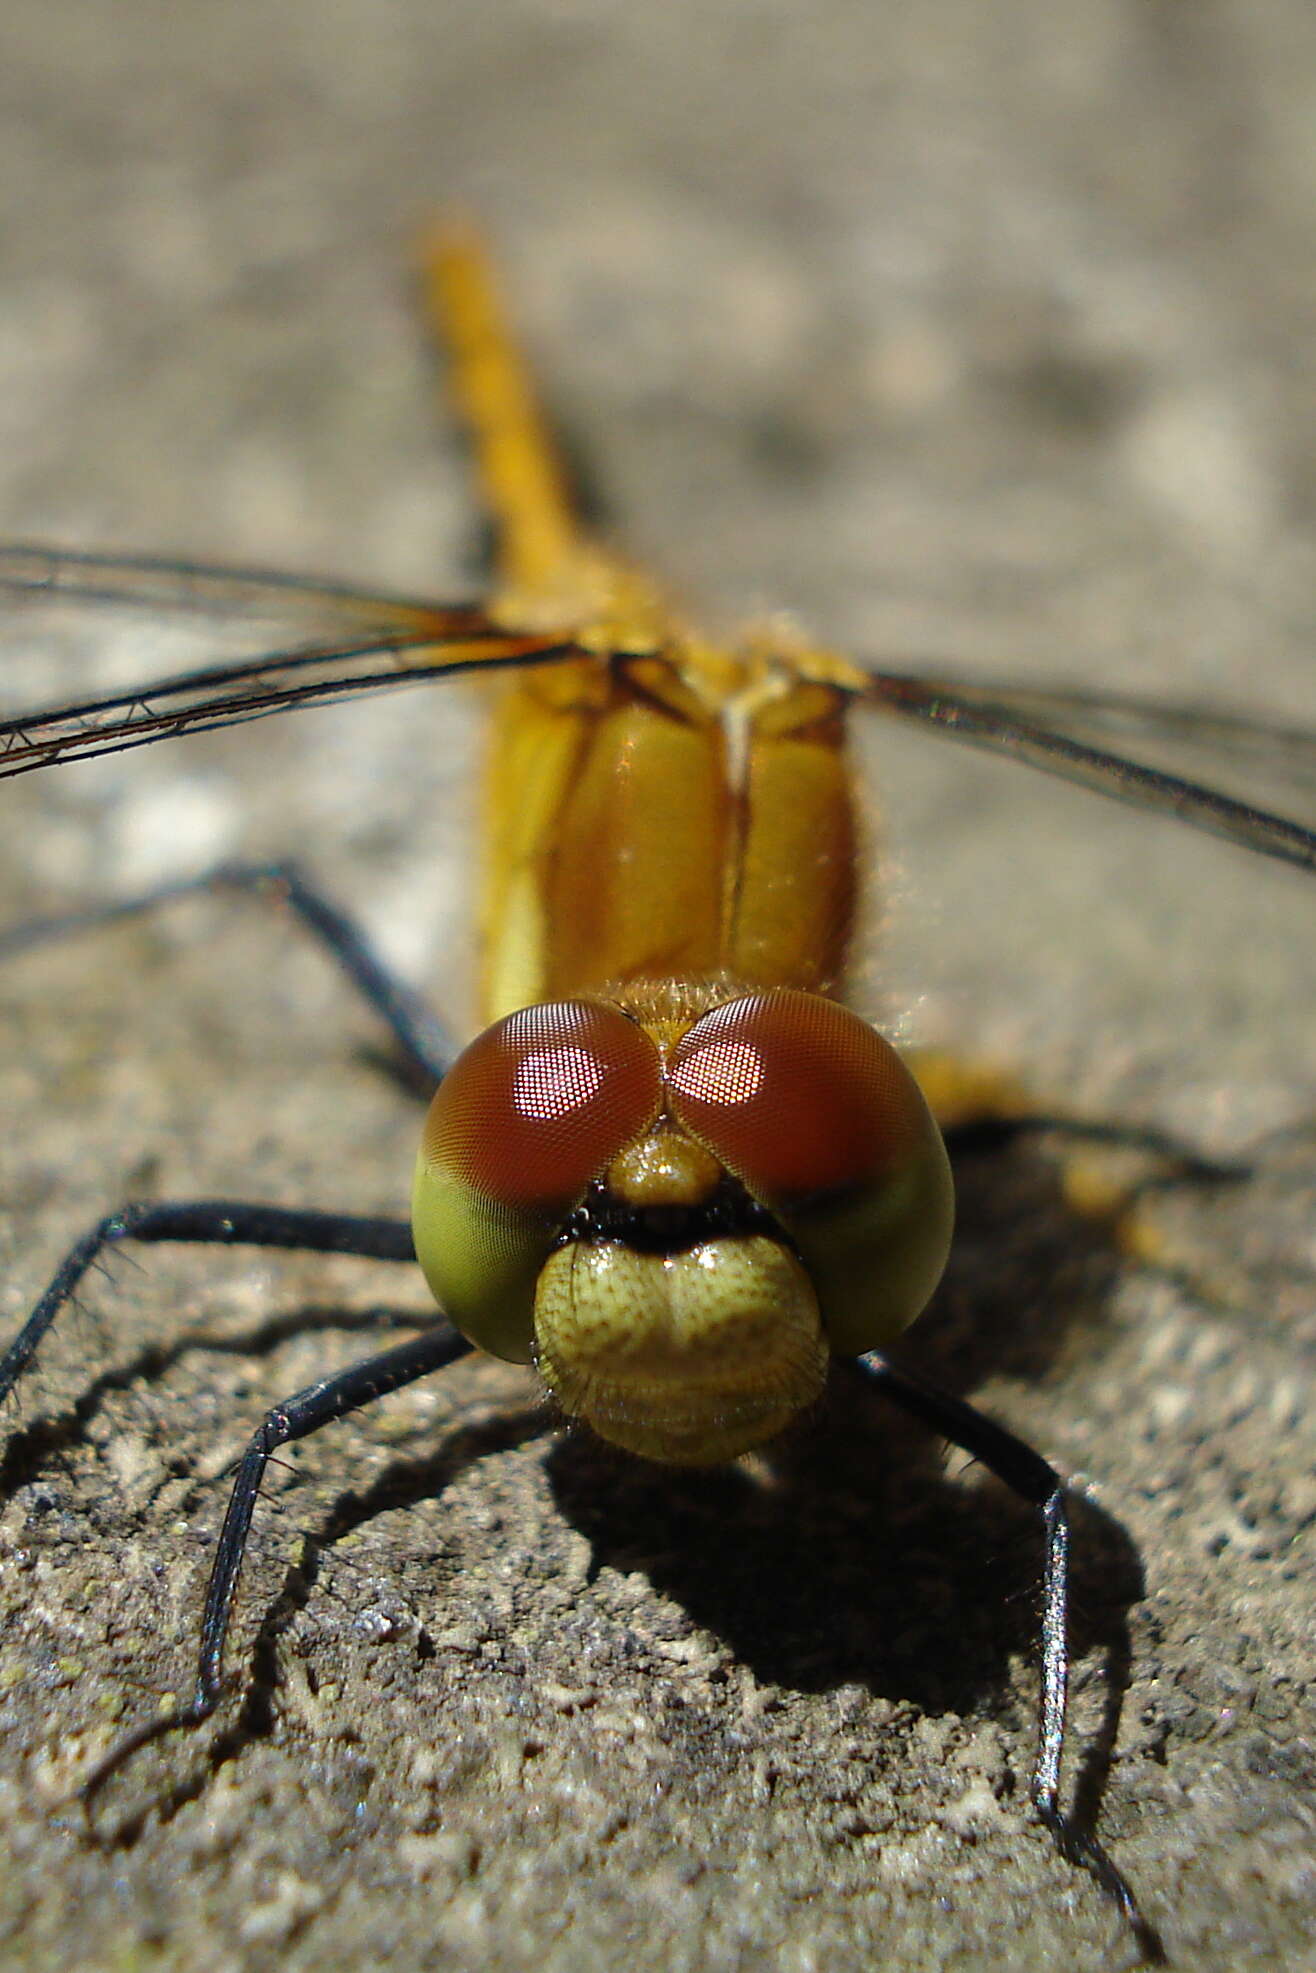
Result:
[{"x": 963, "y": 331}]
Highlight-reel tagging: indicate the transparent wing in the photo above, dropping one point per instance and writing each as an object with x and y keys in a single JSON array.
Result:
[
  {"x": 157, "y": 582},
  {"x": 366, "y": 643},
  {"x": 1062, "y": 733},
  {"x": 1277, "y": 754},
  {"x": 355, "y": 643}
]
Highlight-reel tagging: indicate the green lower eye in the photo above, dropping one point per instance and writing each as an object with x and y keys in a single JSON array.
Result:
[
  {"x": 481, "y": 1260},
  {"x": 876, "y": 1255}
]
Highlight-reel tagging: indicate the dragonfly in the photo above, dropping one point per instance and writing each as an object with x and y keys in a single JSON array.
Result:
[{"x": 674, "y": 1171}]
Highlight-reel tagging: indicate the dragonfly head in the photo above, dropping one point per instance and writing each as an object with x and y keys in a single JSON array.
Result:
[{"x": 680, "y": 1223}]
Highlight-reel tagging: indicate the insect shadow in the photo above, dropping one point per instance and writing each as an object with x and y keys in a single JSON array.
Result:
[{"x": 850, "y": 1556}]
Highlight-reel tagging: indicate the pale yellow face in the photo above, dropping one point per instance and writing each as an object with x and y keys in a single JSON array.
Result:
[
  {"x": 690, "y": 1358},
  {"x": 679, "y": 1209}
]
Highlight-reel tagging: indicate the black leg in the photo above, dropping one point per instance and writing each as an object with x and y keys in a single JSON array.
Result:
[
  {"x": 1026, "y": 1473},
  {"x": 231, "y": 1223},
  {"x": 425, "y": 1046},
  {"x": 225, "y": 1222},
  {"x": 296, "y": 1418}
]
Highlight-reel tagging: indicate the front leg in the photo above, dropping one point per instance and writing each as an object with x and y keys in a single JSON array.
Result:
[{"x": 1027, "y": 1474}]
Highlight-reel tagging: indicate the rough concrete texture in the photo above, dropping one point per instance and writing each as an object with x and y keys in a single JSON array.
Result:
[{"x": 967, "y": 332}]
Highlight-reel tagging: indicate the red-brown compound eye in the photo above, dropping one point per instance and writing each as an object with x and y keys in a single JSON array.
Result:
[
  {"x": 536, "y": 1107},
  {"x": 821, "y": 1120},
  {"x": 540, "y": 1103},
  {"x": 795, "y": 1094}
]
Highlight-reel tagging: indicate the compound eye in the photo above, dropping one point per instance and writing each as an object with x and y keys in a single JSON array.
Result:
[
  {"x": 795, "y": 1094},
  {"x": 540, "y": 1103},
  {"x": 525, "y": 1119},
  {"x": 821, "y": 1120}
]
